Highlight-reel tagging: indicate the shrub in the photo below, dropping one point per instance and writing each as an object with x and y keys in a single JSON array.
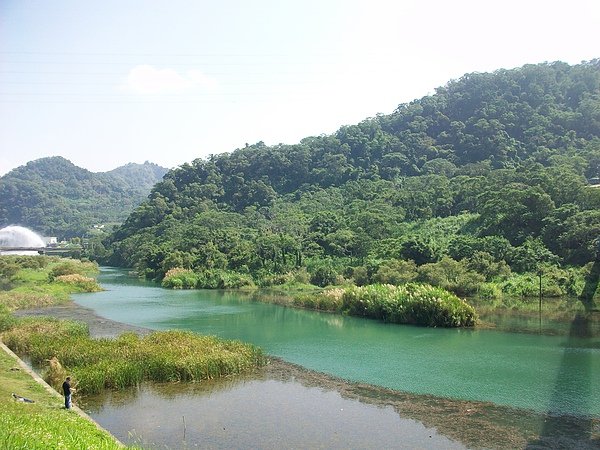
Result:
[
  {"x": 276, "y": 279},
  {"x": 328, "y": 300},
  {"x": 410, "y": 303},
  {"x": 223, "y": 279},
  {"x": 396, "y": 272},
  {"x": 7, "y": 320},
  {"x": 490, "y": 291},
  {"x": 179, "y": 278},
  {"x": 70, "y": 267},
  {"x": 301, "y": 276},
  {"x": 484, "y": 264},
  {"x": 80, "y": 282},
  {"x": 360, "y": 275},
  {"x": 323, "y": 275},
  {"x": 451, "y": 275}
]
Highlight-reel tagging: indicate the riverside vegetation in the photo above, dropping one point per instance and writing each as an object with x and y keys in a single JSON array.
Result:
[
  {"x": 62, "y": 347},
  {"x": 45, "y": 423},
  {"x": 34, "y": 281},
  {"x": 409, "y": 303}
]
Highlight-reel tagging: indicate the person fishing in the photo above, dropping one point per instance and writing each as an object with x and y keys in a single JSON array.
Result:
[{"x": 68, "y": 391}]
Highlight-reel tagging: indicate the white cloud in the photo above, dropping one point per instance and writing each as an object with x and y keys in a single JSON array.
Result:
[{"x": 146, "y": 79}]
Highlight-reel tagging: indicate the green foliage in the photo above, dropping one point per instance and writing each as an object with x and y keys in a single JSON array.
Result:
[
  {"x": 327, "y": 300},
  {"x": 179, "y": 278},
  {"x": 452, "y": 275},
  {"x": 97, "y": 364},
  {"x": 323, "y": 274},
  {"x": 223, "y": 279},
  {"x": 531, "y": 256},
  {"x": 420, "y": 251},
  {"x": 7, "y": 320},
  {"x": 410, "y": 303},
  {"x": 484, "y": 178},
  {"x": 43, "y": 424},
  {"x": 56, "y": 198},
  {"x": 556, "y": 282},
  {"x": 396, "y": 272},
  {"x": 43, "y": 281},
  {"x": 484, "y": 264},
  {"x": 79, "y": 283},
  {"x": 71, "y": 267}
]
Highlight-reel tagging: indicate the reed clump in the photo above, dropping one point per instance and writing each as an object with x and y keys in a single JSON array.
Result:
[
  {"x": 96, "y": 364},
  {"x": 80, "y": 283},
  {"x": 410, "y": 303}
]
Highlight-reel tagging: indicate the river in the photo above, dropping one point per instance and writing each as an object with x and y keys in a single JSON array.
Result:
[{"x": 556, "y": 374}]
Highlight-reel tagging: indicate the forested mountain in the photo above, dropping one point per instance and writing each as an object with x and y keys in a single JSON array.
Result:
[
  {"x": 490, "y": 172},
  {"x": 55, "y": 197}
]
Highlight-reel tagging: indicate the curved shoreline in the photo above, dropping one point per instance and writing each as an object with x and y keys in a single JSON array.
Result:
[{"x": 475, "y": 424}]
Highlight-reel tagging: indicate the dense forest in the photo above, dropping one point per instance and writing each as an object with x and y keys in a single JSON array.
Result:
[
  {"x": 54, "y": 197},
  {"x": 476, "y": 188}
]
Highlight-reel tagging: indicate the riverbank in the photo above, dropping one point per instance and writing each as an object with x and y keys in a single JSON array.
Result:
[
  {"x": 469, "y": 424},
  {"x": 33, "y": 415}
]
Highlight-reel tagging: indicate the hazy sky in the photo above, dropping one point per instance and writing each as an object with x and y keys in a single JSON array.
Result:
[{"x": 108, "y": 82}]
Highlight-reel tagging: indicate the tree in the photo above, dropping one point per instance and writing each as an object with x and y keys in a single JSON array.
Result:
[
  {"x": 531, "y": 255},
  {"x": 396, "y": 272},
  {"x": 515, "y": 212},
  {"x": 419, "y": 251}
]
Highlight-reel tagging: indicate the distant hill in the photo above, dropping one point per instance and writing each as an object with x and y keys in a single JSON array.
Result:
[
  {"x": 55, "y": 197},
  {"x": 139, "y": 176}
]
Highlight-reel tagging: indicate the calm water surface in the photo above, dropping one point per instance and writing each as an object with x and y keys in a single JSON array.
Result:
[
  {"x": 544, "y": 373},
  {"x": 256, "y": 414}
]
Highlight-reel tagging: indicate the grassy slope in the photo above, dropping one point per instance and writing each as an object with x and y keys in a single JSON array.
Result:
[{"x": 45, "y": 423}]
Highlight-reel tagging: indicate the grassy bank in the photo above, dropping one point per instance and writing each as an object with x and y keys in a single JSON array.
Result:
[
  {"x": 29, "y": 282},
  {"x": 45, "y": 423},
  {"x": 37, "y": 281},
  {"x": 97, "y": 364}
]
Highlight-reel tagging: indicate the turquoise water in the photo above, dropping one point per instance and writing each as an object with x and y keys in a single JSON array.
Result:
[{"x": 557, "y": 374}]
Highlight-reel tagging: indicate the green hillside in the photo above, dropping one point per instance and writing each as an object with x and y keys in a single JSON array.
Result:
[
  {"x": 486, "y": 177},
  {"x": 54, "y": 197}
]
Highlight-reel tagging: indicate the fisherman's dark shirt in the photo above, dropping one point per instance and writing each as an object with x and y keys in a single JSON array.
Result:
[{"x": 66, "y": 388}]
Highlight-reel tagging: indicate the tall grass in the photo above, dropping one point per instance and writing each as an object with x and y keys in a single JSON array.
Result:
[
  {"x": 97, "y": 364},
  {"x": 409, "y": 303}
]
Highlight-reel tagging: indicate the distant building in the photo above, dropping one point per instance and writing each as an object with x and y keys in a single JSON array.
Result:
[{"x": 50, "y": 241}]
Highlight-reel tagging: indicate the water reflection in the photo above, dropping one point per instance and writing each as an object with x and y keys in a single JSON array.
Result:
[
  {"x": 573, "y": 385},
  {"x": 265, "y": 411},
  {"x": 285, "y": 406}
]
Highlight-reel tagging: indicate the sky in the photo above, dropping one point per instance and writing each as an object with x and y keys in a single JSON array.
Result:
[{"x": 109, "y": 82}]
